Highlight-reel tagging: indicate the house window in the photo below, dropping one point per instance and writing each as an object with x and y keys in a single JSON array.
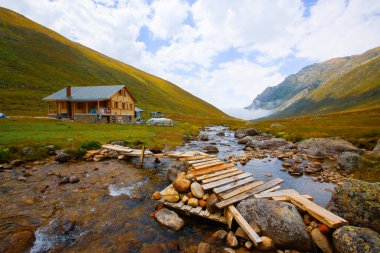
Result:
[
  {"x": 123, "y": 104},
  {"x": 80, "y": 106},
  {"x": 115, "y": 105},
  {"x": 122, "y": 92}
]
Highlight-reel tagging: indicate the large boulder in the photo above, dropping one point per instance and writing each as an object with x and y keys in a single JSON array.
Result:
[
  {"x": 327, "y": 146},
  {"x": 203, "y": 137},
  {"x": 176, "y": 167},
  {"x": 169, "y": 219},
  {"x": 358, "y": 202},
  {"x": 272, "y": 143},
  {"x": 239, "y": 134},
  {"x": 348, "y": 161},
  {"x": 278, "y": 220},
  {"x": 349, "y": 239},
  {"x": 62, "y": 157},
  {"x": 170, "y": 194},
  {"x": 120, "y": 143},
  {"x": 252, "y": 132},
  {"x": 211, "y": 149}
]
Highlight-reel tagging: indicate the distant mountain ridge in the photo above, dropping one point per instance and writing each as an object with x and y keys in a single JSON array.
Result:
[
  {"x": 36, "y": 61},
  {"x": 333, "y": 85}
]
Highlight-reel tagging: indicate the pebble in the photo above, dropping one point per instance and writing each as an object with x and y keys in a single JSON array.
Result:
[
  {"x": 156, "y": 195},
  {"x": 197, "y": 190},
  {"x": 323, "y": 228},
  {"x": 204, "y": 247},
  {"x": 313, "y": 224},
  {"x": 231, "y": 240},
  {"x": 202, "y": 203},
  {"x": 192, "y": 202},
  {"x": 227, "y": 250},
  {"x": 74, "y": 179},
  {"x": 21, "y": 179},
  {"x": 306, "y": 219},
  {"x": 184, "y": 199},
  {"x": 248, "y": 245},
  {"x": 269, "y": 175},
  {"x": 205, "y": 197},
  {"x": 28, "y": 174},
  {"x": 321, "y": 241},
  {"x": 267, "y": 244},
  {"x": 219, "y": 235}
]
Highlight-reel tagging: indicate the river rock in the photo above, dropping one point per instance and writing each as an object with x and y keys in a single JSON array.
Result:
[
  {"x": 175, "y": 168},
  {"x": 182, "y": 185},
  {"x": 252, "y": 132},
  {"x": 197, "y": 190},
  {"x": 169, "y": 219},
  {"x": 211, "y": 149},
  {"x": 17, "y": 163},
  {"x": 184, "y": 199},
  {"x": 219, "y": 235},
  {"x": 170, "y": 194},
  {"x": 277, "y": 220},
  {"x": 239, "y": 134},
  {"x": 211, "y": 201},
  {"x": 64, "y": 180},
  {"x": 357, "y": 202},
  {"x": 245, "y": 140},
  {"x": 156, "y": 195},
  {"x": 203, "y": 137},
  {"x": 376, "y": 149},
  {"x": 221, "y": 133},
  {"x": 295, "y": 170},
  {"x": 202, "y": 203},
  {"x": 327, "y": 146},
  {"x": 248, "y": 245},
  {"x": 120, "y": 143},
  {"x": 267, "y": 244},
  {"x": 321, "y": 241},
  {"x": 349, "y": 239},
  {"x": 192, "y": 202},
  {"x": 231, "y": 240},
  {"x": 62, "y": 157},
  {"x": 74, "y": 179},
  {"x": 204, "y": 247},
  {"x": 348, "y": 161},
  {"x": 227, "y": 250}
]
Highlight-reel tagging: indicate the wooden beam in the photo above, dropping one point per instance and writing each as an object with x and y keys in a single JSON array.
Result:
[
  {"x": 229, "y": 217},
  {"x": 241, "y": 190},
  {"x": 214, "y": 160},
  {"x": 233, "y": 185},
  {"x": 212, "y": 179},
  {"x": 282, "y": 193},
  {"x": 225, "y": 181},
  {"x": 321, "y": 214},
  {"x": 142, "y": 156},
  {"x": 256, "y": 239},
  {"x": 287, "y": 199},
  {"x": 214, "y": 174},
  {"x": 212, "y": 169},
  {"x": 248, "y": 194}
]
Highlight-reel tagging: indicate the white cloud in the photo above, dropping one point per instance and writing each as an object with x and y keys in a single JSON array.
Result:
[{"x": 262, "y": 36}]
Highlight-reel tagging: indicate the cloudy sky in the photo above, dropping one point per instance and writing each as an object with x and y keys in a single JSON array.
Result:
[{"x": 225, "y": 52}]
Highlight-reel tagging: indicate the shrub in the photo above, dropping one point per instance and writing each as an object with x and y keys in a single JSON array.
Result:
[
  {"x": 90, "y": 145},
  {"x": 4, "y": 155}
]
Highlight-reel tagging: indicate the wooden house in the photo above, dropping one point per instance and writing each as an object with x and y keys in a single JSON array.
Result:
[{"x": 110, "y": 103}]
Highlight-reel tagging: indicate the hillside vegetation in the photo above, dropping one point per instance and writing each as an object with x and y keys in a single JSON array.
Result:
[
  {"x": 36, "y": 61},
  {"x": 331, "y": 86}
]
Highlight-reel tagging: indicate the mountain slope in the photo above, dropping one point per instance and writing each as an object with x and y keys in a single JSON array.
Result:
[
  {"x": 334, "y": 85},
  {"x": 36, "y": 61}
]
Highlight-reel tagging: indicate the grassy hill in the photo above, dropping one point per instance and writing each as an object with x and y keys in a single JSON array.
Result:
[
  {"x": 331, "y": 86},
  {"x": 36, "y": 61}
]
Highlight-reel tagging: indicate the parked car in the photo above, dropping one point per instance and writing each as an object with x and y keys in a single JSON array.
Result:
[
  {"x": 3, "y": 116},
  {"x": 159, "y": 122}
]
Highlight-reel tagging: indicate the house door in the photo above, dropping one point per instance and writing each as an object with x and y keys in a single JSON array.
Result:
[{"x": 70, "y": 109}]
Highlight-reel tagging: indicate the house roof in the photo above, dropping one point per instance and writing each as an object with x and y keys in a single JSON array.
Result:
[
  {"x": 87, "y": 93},
  {"x": 138, "y": 109}
]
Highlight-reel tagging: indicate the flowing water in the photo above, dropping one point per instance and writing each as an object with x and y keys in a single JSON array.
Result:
[{"x": 109, "y": 209}]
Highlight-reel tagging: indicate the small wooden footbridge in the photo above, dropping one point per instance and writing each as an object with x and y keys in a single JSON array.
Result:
[{"x": 233, "y": 185}]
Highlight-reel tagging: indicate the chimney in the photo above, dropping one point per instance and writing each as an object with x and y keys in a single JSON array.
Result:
[{"x": 68, "y": 91}]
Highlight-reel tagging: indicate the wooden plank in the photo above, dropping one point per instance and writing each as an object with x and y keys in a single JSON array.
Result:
[
  {"x": 193, "y": 158},
  {"x": 234, "y": 173},
  {"x": 286, "y": 198},
  {"x": 215, "y": 215},
  {"x": 229, "y": 217},
  {"x": 214, "y": 174},
  {"x": 233, "y": 185},
  {"x": 117, "y": 148},
  {"x": 321, "y": 214},
  {"x": 282, "y": 193},
  {"x": 225, "y": 181},
  {"x": 206, "y": 162},
  {"x": 179, "y": 204},
  {"x": 248, "y": 194},
  {"x": 272, "y": 189},
  {"x": 241, "y": 190},
  {"x": 256, "y": 239},
  {"x": 196, "y": 210},
  {"x": 202, "y": 160},
  {"x": 212, "y": 169},
  {"x": 206, "y": 165}
]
